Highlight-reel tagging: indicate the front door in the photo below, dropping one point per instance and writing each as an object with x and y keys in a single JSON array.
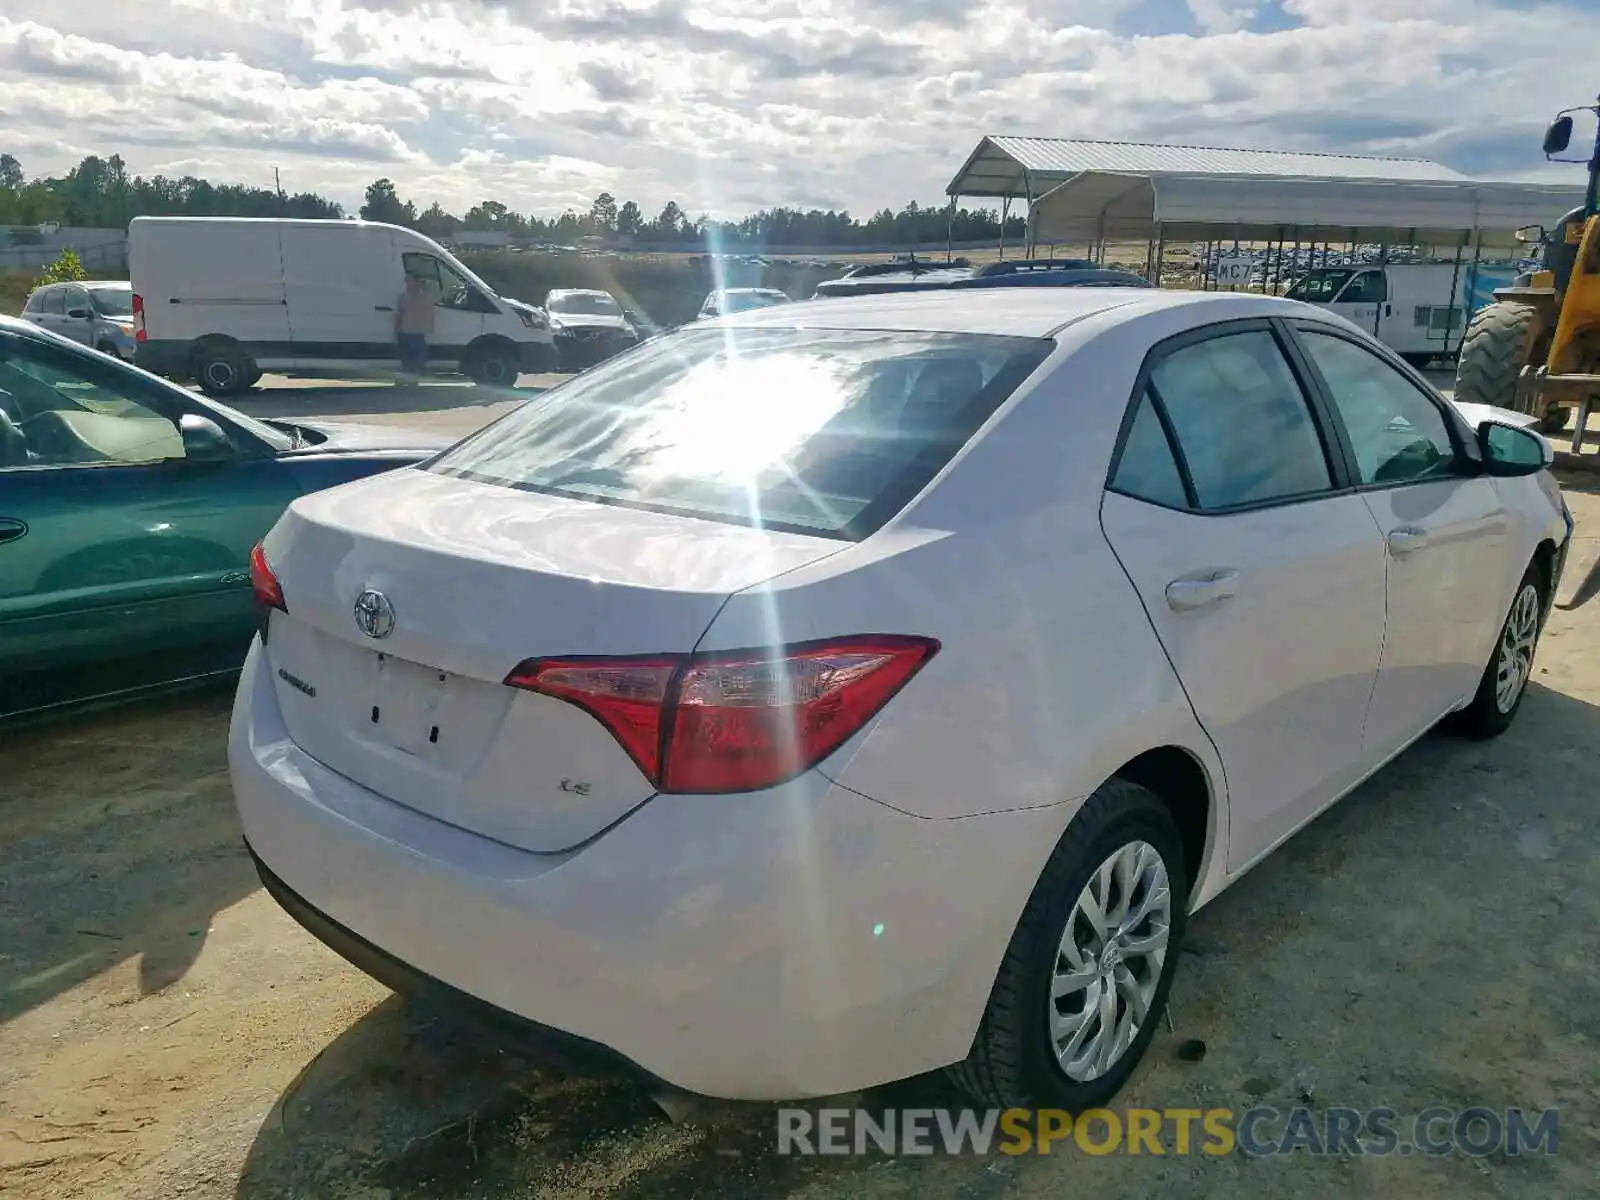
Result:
[
  {"x": 458, "y": 307},
  {"x": 1362, "y": 299},
  {"x": 77, "y": 321},
  {"x": 1445, "y": 532},
  {"x": 1264, "y": 582},
  {"x": 122, "y": 561}
]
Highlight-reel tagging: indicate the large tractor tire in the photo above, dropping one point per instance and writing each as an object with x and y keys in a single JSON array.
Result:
[{"x": 1500, "y": 341}]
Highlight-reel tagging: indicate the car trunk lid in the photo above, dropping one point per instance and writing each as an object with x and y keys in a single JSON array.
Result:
[{"x": 411, "y": 596}]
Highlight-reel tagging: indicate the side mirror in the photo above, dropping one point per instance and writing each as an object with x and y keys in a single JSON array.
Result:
[
  {"x": 203, "y": 439},
  {"x": 1511, "y": 450},
  {"x": 1558, "y": 136},
  {"x": 78, "y": 314},
  {"x": 1530, "y": 234}
]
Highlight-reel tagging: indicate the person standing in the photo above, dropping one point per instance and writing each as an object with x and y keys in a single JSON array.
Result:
[{"x": 413, "y": 323}]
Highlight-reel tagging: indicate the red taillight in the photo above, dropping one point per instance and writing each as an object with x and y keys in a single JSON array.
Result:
[
  {"x": 268, "y": 592},
  {"x": 138, "y": 318},
  {"x": 734, "y": 722}
]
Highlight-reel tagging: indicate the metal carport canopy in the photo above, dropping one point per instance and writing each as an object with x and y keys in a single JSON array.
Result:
[{"x": 1129, "y": 207}]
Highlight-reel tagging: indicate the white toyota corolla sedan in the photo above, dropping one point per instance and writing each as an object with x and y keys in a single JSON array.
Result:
[{"x": 832, "y": 693}]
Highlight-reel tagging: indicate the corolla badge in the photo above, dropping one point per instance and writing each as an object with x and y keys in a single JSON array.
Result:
[{"x": 374, "y": 614}]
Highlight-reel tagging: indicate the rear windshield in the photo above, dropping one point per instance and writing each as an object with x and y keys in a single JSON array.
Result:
[
  {"x": 812, "y": 431},
  {"x": 1319, "y": 287}
]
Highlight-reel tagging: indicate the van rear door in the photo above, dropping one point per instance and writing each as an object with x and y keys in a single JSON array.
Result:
[{"x": 341, "y": 280}]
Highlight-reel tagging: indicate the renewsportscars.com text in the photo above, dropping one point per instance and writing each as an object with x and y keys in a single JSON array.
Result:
[{"x": 1261, "y": 1131}]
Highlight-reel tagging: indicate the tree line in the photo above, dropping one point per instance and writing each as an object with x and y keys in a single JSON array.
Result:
[{"x": 100, "y": 193}]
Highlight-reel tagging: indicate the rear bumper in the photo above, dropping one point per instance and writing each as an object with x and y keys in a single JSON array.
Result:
[{"x": 804, "y": 941}]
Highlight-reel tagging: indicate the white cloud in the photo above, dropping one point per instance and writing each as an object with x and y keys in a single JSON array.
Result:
[{"x": 726, "y": 105}]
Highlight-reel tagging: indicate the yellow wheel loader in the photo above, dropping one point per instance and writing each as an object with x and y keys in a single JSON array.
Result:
[{"x": 1536, "y": 349}]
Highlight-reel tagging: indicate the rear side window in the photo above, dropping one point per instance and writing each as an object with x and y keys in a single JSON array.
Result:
[
  {"x": 55, "y": 302},
  {"x": 35, "y": 303},
  {"x": 1148, "y": 469},
  {"x": 827, "y": 432},
  {"x": 1242, "y": 421}
]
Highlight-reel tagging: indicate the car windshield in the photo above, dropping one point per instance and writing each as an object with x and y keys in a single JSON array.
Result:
[
  {"x": 586, "y": 302},
  {"x": 814, "y": 431},
  {"x": 112, "y": 302},
  {"x": 1319, "y": 286}
]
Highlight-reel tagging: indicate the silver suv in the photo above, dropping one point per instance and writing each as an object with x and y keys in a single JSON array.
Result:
[{"x": 98, "y": 313}]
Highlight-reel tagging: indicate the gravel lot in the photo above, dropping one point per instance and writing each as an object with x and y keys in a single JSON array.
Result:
[{"x": 166, "y": 1031}]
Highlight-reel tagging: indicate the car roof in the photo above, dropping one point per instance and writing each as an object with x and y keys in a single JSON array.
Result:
[
  {"x": 1023, "y": 312},
  {"x": 579, "y": 292}
]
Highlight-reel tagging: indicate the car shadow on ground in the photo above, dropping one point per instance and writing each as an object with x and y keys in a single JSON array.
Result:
[
  {"x": 119, "y": 840},
  {"x": 1374, "y": 960}
]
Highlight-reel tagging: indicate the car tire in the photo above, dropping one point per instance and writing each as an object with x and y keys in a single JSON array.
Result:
[
  {"x": 1014, "y": 1060},
  {"x": 1494, "y": 707},
  {"x": 109, "y": 348},
  {"x": 493, "y": 366},
  {"x": 221, "y": 368}
]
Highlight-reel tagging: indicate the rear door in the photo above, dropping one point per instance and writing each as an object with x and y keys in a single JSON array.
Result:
[
  {"x": 122, "y": 563},
  {"x": 1446, "y": 530},
  {"x": 1262, "y": 572}
]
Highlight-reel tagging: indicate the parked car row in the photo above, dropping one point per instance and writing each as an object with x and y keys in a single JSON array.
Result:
[{"x": 1076, "y": 597}]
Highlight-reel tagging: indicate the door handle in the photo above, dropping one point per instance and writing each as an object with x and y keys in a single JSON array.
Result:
[
  {"x": 1197, "y": 591},
  {"x": 11, "y": 529},
  {"x": 1407, "y": 539},
  {"x": 383, "y": 308}
]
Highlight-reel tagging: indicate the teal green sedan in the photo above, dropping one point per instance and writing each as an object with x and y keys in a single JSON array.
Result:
[{"x": 128, "y": 510}]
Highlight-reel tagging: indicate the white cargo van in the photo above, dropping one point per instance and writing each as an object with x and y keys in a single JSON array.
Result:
[
  {"x": 1409, "y": 306},
  {"x": 220, "y": 300}
]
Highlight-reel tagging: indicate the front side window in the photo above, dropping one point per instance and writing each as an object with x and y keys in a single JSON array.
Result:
[
  {"x": 1243, "y": 423},
  {"x": 64, "y": 412},
  {"x": 448, "y": 287},
  {"x": 1369, "y": 287},
  {"x": 55, "y": 302},
  {"x": 1397, "y": 433},
  {"x": 816, "y": 431}
]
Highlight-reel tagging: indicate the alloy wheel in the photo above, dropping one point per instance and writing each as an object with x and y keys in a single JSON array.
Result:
[
  {"x": 1109, "y": 962},
  {"x": 1515, "y": 662}
]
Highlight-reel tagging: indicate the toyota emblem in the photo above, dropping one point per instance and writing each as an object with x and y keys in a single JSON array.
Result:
[{"x": 374, "y": 614}]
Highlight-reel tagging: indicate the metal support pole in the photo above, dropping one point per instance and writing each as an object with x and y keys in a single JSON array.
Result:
[
  {"x": 950, "y": 231},
  {"x": 1029, "y": 240},
  {"x": 1161, "y": 253},
  {"x": 1458, "y": 298},
  {"x": 1005, "y": 214}
]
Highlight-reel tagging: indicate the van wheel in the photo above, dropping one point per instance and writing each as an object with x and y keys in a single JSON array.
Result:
[
  {"x": 109, "y": 348},
  {"x": 222, "y": 369},
  {"x": 493, "y": 366}
]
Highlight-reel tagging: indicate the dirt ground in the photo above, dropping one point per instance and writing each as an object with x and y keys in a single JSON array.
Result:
[{"x": 165, "y": 1031}]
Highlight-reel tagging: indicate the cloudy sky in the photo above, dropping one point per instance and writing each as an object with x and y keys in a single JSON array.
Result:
[{"x": 730, "y": 105}]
